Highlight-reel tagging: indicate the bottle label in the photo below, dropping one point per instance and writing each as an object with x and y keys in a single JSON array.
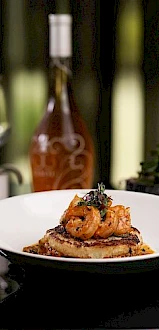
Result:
[{"x": 61, "y": 162}]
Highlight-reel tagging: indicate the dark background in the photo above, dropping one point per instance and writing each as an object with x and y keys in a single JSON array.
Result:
[{"x": 24, "y": 44}]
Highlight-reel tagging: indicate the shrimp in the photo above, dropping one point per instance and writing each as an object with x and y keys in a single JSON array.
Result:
[
  {"x": 83, "y": 221},
  {"x": 108, "y": 225},
  {"x": 124, "y": 220},
  {"x": 73, "y": 203},
  {"x": 109, "y": 202}
]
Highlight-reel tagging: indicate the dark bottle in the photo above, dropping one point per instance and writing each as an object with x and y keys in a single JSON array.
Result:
[{"x": 61, "y": 150}]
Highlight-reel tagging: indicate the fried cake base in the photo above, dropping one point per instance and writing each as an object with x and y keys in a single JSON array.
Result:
[{"x": 58, "y": 242}]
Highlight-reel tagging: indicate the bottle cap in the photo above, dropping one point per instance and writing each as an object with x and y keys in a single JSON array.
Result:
[{"x": 60, "y": 35}]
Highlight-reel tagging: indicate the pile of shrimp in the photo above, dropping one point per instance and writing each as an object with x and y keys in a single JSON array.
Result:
[{"x": 85, "y": 221}]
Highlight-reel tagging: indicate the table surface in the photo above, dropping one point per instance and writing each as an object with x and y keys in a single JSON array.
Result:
[{"x": 60, "y": 299}]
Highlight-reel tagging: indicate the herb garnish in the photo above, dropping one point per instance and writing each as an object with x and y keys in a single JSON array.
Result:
[{"x": 97, "y": 198}]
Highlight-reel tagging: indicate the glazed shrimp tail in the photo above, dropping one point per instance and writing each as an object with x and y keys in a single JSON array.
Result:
[
  {"x": 124, "y": 220},
  {"x": 83, "y": 221}
]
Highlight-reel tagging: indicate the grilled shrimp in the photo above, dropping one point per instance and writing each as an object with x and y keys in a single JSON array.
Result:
[
  {"x": 124, "y": 220},
  {"x": 82, "y": 221},
  {"x": 66, "y": 215},
  {"x": 109, "y": 202},
  {"x": 108, "y": 225}
]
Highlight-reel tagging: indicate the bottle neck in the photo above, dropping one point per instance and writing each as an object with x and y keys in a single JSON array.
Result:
[{"x": 60, "y": 73}]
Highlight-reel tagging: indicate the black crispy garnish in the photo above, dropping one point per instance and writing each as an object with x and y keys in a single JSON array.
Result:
[{"x": 97, "y": 198}]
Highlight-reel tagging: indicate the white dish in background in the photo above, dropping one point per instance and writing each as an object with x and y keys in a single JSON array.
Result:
[{"x": 25, "y": 219}]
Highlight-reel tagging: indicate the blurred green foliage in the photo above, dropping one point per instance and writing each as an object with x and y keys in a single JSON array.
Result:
[{"x": 28, "y": 90}]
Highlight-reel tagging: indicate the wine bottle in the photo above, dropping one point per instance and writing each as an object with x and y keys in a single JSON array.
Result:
[{"x": 62, "y": 151}]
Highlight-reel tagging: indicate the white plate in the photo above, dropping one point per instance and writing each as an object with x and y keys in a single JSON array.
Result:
[{"x": 24, "y": 220}]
